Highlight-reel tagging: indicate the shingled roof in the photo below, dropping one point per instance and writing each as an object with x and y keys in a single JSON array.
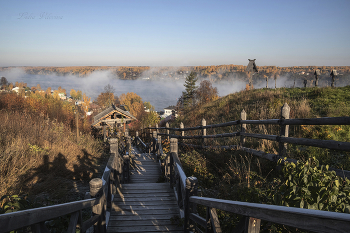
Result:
[{"x": 108, "y": 111}]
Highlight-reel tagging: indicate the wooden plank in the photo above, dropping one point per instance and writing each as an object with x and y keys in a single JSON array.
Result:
[
  {"x": 146, "y": 212},
  {"x": 145, "y": 187},
  {"x": 136, "y": 218},
  {"x": 143, "y": 208},
  {"x": 307, "y": 219},
  {"x": 260, "y": 136},
  {"x": 167, "y": 228},
  {"x": 150, "y": 222},
  {"x": 145, "y": 184},
  {"x": 210, "y": 136},
  {"x": 145, "y": 199},
  {"x": 147, "y": 203},
  {"x": 318, "y": 121},
  {"x": 73, "y": 222},
  {"x": 198, "y": 219},
  {"x": 330, "y": 144}
]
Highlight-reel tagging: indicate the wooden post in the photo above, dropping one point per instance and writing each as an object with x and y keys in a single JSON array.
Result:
[
  {"x": 267, "y": 82},
  {"x": 159, "y": 142},
  {"x": 113, "y": 142},
  {"x": 243, "y": 127},
  {"x": 173, "y": 152},
  {"x": 77, "y": 123},
  {"x": 128, "y": 145},
  {"x": 191, "y": 190},
  {"x": 252, "y": 225},
  {"x": 167, "y": 169},
  {"x": 96, "y": 192},
  {"x": 174, "y": 145},
  {"x": 126, "y": 171},
  {"x": 136, "y": 138},
  {"x": 154, "y": 137},
  {"x": 275, "y": 80},
  {"x": 167, "y": 131},
  {"x": 150, "y": 131},
  {"x": 181, "y": 127},
  {"x": 285, "y": 110},
  {"x": 157, "y": 128},
  {"x": 104, "y": 132},
  {"x": 204, "y": 131}
]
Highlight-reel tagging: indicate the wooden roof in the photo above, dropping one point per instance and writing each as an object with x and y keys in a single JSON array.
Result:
[{"x": 102, "y": 116}]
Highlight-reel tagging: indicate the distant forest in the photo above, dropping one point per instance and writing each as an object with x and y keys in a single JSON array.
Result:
[{"x": 213, "y": 73}]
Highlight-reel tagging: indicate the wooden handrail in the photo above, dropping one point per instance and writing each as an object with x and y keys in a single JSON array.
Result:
[
  {"x": 19, "y": 219},
  {"x": 307, "y": 219},
  {"x": 101, "y": 191},
  {"x": 313, "y": 220}
]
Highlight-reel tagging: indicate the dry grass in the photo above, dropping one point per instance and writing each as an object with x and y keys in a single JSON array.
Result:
[{"x": 39, "y": 155}]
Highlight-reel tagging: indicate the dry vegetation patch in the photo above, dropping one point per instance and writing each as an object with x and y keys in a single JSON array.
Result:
[{"x": 41, "y": 155}]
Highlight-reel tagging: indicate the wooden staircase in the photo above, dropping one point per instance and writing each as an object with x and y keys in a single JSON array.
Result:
[{"x": 144, "y": 205}]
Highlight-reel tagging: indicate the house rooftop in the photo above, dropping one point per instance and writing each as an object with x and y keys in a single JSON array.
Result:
[{"x": 171, "y": 107}]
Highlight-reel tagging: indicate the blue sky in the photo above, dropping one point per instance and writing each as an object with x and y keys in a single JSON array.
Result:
[{"x": 174, "y": 33}]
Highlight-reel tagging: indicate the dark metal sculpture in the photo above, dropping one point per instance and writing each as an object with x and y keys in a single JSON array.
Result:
[
  {"x": 317, "y": 74},
  {"x": 251, "y": 68},
  {"x": 334, "y": 74}
]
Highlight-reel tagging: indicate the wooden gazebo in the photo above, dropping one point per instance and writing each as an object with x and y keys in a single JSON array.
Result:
[{"x": 112, "y": 117}]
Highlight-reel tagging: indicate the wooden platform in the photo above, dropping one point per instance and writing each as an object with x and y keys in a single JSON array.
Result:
[{"x": 144, "y": 205}]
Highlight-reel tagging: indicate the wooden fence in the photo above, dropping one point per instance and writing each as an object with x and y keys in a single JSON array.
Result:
[
  {"x": 99, "y": 199},
  {"x": 284, "y": 122},
  {"x": 185, "y": 188}
]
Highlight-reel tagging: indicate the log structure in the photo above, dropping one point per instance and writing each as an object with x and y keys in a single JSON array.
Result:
[{"x": 112, "y": 117}]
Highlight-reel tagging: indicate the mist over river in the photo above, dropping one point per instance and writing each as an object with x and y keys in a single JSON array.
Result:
[{"x": 159, "y": 92}]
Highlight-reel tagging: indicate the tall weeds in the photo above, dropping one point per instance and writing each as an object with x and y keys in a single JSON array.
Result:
[{"x": 38, "y": 153}]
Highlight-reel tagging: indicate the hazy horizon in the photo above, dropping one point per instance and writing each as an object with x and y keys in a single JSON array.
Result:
[{"x": 174, "y": 33}]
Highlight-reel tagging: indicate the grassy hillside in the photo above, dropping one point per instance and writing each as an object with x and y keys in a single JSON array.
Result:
[
  {"x": 39, "y": 152},
  {"x": 235, "y": 175}
]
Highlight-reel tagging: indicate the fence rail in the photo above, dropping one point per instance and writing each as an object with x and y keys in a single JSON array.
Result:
[
  {"x": 185, "y": 188},
  {"x": 99, "y": 199},
  {"x": 283, "y": 139}
]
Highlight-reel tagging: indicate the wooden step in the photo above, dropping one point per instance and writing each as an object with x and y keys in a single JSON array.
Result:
[{"x": 144, "y": 205}]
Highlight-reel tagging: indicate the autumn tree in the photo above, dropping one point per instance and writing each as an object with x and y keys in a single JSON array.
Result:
[
  {"x": 133, "y": 103},
  {"x": 73, "y": 93},
  {"x": 56, "y": 94},
  {"x": 107, "y": 97},
  {"x": 79, "y": 95},
  {"x": 38, "y": 87},
  {"x": 206, "y": 92},
  {"x": 86, "y": 103},
  {"x": 48, "y": 91}
]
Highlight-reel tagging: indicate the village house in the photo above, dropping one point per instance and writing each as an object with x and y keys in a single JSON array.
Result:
[{"x": 171, "y": 110}]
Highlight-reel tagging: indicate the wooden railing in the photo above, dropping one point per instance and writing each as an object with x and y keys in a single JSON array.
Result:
[
  {"x": 185, "y": 188},
  {"x": 99, "y": 199},
  {"x": 284, "y": 122}
]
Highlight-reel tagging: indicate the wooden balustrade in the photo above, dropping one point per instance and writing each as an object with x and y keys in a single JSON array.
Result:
[
  {"x": 185, "y": 188},
  {"x": 99, "y": 199}
]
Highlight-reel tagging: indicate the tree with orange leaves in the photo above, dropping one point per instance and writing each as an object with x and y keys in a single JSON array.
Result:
[{"x": 86, "y": 103}]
